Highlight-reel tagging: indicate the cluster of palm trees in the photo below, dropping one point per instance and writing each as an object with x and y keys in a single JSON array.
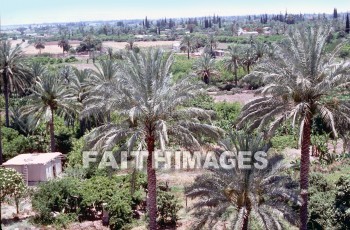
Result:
[
  {"x": 139, "y": 89},
  {"x": 238, "y": 55},
  {"x": 301, "y": 81}
]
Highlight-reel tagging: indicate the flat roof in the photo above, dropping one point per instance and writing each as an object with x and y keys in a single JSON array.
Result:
[{"x": 32, "y": 158}]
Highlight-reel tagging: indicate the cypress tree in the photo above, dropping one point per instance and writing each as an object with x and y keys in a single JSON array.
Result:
[
  {"x": 347, "y": 25},
  {"x": 335, "y": 13}
]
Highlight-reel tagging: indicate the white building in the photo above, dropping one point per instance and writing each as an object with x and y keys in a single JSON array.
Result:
[
  {"x": 36, "y": 167},
  {"x": 242, "y": 32}
]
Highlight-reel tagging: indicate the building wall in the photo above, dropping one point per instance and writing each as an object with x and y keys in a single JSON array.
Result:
[{"x": 38, "y": 173}]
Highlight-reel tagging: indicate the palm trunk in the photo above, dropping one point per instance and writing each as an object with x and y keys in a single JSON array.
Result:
[
  {"x": 188, "y": 51},
  {"x": 304, "y": 171},
  {"x": 0, "y": 142},
  {"x": 6, "y": 95},
  {"x": 52, "y": 132},
  {"x": 248, "y": 68},
  {"x": 246, "y": 220},
  {"x": 152, "y": 185},
  {"x": 235, "y": 70}
]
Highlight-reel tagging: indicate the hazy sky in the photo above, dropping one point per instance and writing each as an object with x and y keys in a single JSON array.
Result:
[{"x": 39, "y": 11}]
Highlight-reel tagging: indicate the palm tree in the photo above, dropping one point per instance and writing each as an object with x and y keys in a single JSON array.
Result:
[
  {"x": 148, "y": 96},
  {"x": 64, "y": 44},
  {"x": 39, "y": 45},
  {"x": 232, "y": 60},
  {"x": 299, "y": 84},
  {"x": 205, "y": 67},
  {"x": 187, "y": 44},
  {"x": 110, "y": 53},
  {"x": 102, "y": 79},
  {"x": 36, "y": 69},
  {"x": 130, "y": 44},
  {"x": 211, "y": 43},
  {"x": 248, "y": 57},
  {"x": 79, "y": 85},
  {"x": 243, "y": 194},
  {"x": 50, "y": 95},
  {"x": 14, "y": 73},
  {"x": 260, "y": 49}
]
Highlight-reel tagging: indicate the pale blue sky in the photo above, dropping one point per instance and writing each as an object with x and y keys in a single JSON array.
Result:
[{"x": 39, "y": 11}]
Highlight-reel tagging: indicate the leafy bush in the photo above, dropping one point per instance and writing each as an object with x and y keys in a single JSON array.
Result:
[
  {"x": 13, "y": 143},
  {"x": 75, "y": 156},
  {"x": 71, "y": 59},
  {"x": 182, "y": 66},
  {"x": 168, "y": 206},
  {"x": 55, "y": 196},
  {"x": 329, "y": 206},
  {"x": 342, "y": 202},
  {"x": 227, "y": 114},
  {"x": 11, "y": 186},
  {"x": 119, "y": 209},
  {"x": 63, "y": 220},
  {"x": 282, "y": 142}
]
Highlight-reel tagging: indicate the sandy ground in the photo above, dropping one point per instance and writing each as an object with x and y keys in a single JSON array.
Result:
[
  {"x": 121, "y": 45},
  {"x": 53, "y": 48},
  {"x": 242, "y": 98}
]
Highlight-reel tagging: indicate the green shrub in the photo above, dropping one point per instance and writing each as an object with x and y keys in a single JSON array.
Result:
[
  {"x": 203, "y": 101},
  {"x": 55, "y": 196},
  {"x": 168, "y": 206},
  {"x": 342, "y": 202},
  {"x": 282, "y": 142},
  {"x": 119, "y": 209},
  {"x": 11, "y": 186},
  {"x": 13, "y": 143},
  {"x": 71, "y": 59},
  {"x": 75, "y": 156},
  {"x": 182, "y": 66},
  {"x": 227, "y": 113},
  {"x": 63, "y": 220}
]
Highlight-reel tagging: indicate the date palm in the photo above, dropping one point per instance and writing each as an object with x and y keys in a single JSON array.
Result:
[
  {"x": 205, "y": 67},
  {"x": 238, "y": 195},
  {"x": 50, "y": 95},
  {"x": 300, "y": 83},
  {"x": 64, "y": 44},
  {"x": 79, "y": 84},
  {"x": 15, "y": 76},
  {"x": 187, "y": 43},
  {"x": 211, "y": 43},
  {"x": 102, "y": 79},
  {"x": 248, "y": 57},
  {"x": 147, "y": 94},
  {"x": 39, "y": 45},
  {"x": 232, "y": 60}
]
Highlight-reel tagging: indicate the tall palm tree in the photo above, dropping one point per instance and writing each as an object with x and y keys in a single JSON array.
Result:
[
  {"x": 299, "y": 84},
  {"x": 232, "y": 60},
  {"x": 243, "y": 194},
  {"x": 103, "y": 78},
  {"x": 39, "y": 45},
  {"x": 205, "y": 67},
  {"x": 79, "y": 85},
  {"x": 211, "y": 43},
  {"x": 187, "y": 44},
  {"x": 152, "y": 101},
  {"x": 64, "y": 44},
  {"x": 14, "y": 72},
  {"x": 248, "y": 57},
  {"x": 50, "y": 95}
]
